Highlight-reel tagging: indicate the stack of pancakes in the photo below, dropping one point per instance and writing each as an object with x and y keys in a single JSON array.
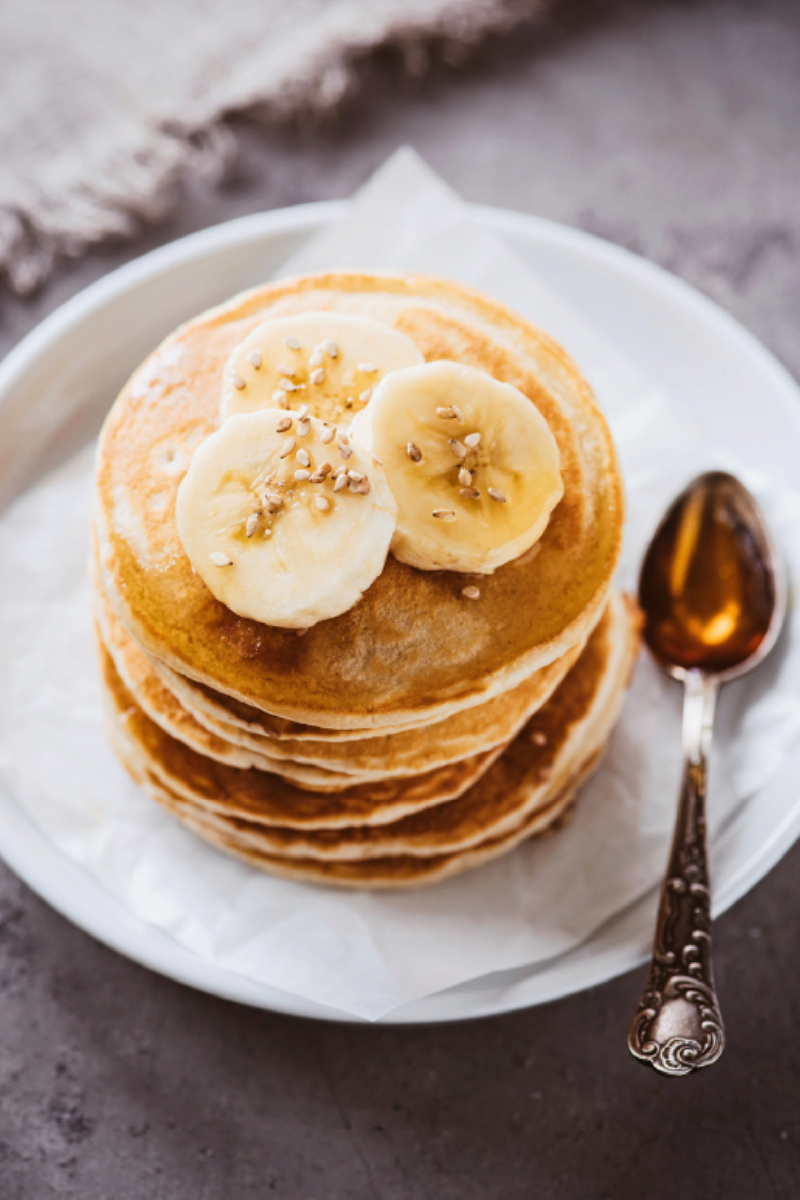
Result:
[{"x": 416, "y": 735}]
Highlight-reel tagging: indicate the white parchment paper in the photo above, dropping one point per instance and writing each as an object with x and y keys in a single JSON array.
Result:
[{"x": 366, "y": 954}]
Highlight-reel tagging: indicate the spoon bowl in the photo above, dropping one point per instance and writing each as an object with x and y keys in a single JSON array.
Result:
[
  {"x": 712, "y": 586},
  {"x": 713, "y": 593}
]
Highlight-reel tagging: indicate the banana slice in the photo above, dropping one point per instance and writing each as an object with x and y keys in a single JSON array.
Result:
[
  {"x": 329, "y": 361},
  {"x": 284, "y": 520},
  {"x": 472, "y": 464}
]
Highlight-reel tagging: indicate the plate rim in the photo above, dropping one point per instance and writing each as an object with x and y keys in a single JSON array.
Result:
[{"x": 21, "y": 842}]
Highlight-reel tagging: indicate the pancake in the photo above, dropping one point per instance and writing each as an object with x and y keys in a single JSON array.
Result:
[
  {"x": 260, "y": 796},
  {"x": 396, "y": 873},
  {"x": 569, "y": 732},
  {"x": 163, "y": 709},
  {"x": 582, "y": 700},
  {"x": 412, "y": 649},
  {"x": 325, "y": 765}
]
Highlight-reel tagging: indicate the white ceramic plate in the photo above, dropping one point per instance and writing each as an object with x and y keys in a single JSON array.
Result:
[{"x": 74, "y": 363}]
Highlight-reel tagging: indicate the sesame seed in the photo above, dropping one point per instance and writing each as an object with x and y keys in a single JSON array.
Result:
[
  {"x": 345, "y": 451},
  {"x": 469, "y": 493},
  {"x": 288, "y": 447},
  {"x": 252, "y": 524},
  {"x": 302, "y": 412},
  {"x": 254, "y": 358},
  {"x": 444, "y": 514},
  {"x": 457, "y": 413},
  {"x": 322, "y": 471},
  {"x": 359, "y": 487},
  {"x": 272, "y": 501},
  {"x": 303, "y": 459},
  {"x": 302, "y": 476},
  {"x": 287, "y": 385},
  {"x": 279, "y": 398},
  {"x": 317, "y": 357},
  {"x": 330, "y": 348},
  {"x": 317, "y": 376},
  {"x": 341, "y": 483},
  {"x": 538, "y": 738},
  {"x": 472, "y": 593},
  {"x": 497, "y": 495},
  {"x": 356, "y": 476},
  {"x": 303, "y": 428},
  {"x": 348, "y": 402},
  {"x": 343, "y": 438},
  {"x": 367, "y": 368},
  {"x": 327, "y": 436},
  {"x": 465, "y": 477},
  {"x": 339, "y": 471},
  {"x": 219, "y": 559},
  {"x": 291, "y": 343},
  {"x": 322, "y": 503},
  {"x": 284, "y": 424},
  {"x": 472, "y": 440},
  {"x": 284, "y": 370},
  {"x": 366, "y": 396},
  {"x": 458, "y": 448},
  {"x": 413, "y": 451},
  {"x": 238, "y": 382},
  {"x": 447, "y": 414}
]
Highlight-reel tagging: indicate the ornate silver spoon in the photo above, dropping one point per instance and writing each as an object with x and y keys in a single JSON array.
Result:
[{"x": 713, "y": 595}]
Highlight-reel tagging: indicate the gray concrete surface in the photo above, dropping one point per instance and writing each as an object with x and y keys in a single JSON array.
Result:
[{"x": 669, "y": 127}]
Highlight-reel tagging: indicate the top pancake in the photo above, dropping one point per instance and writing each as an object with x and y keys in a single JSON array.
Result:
[{"x": 412, "y": 649}]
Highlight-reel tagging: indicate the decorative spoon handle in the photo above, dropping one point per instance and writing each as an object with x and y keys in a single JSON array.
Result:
[{"x": 678, "y": 1026}]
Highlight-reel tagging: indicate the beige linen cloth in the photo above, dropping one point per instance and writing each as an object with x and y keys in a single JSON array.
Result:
[{"x": 105, "y": 103}]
